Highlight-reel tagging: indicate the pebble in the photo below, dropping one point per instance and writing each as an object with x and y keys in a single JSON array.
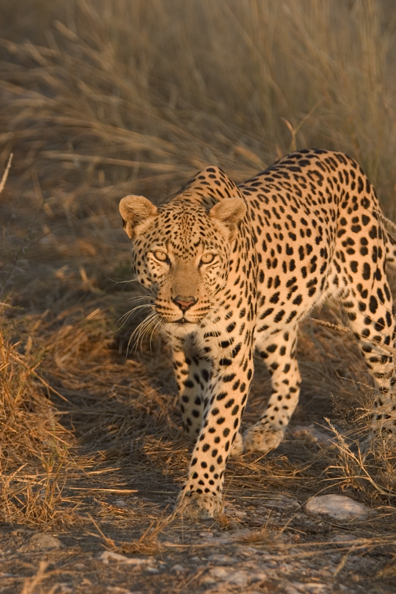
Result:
[
  {"x": 338, "y": 507},
  {"x": 108, "y": 556},
  {"x": 178, "y": 569},
  {"x": 42, "y": 542},
  {"x": 282, "y": 502},
  {"x": 206, "y": 535},
  {"x": 236, "y": 578},
  {"x": 290, "y": 589},
  {"x": 343, "y": 538}
]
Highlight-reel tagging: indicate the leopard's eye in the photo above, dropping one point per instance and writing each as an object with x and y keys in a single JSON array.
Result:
[
  {"x": 161, "y": 256},
  {"x": 207, "y": 258}
]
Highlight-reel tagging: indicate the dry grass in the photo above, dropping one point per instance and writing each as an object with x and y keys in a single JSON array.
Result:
[
  {"x": 99, "y": 98},
  {"x": 34, "y": 444},
  {"x": 149, "y": 92}
]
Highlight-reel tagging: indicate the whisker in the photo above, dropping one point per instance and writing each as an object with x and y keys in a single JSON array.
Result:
[
  {"x": 149, "y": 300},
  {"x": 150, "y": 329},
  {"x": 137, "y": 297},
  {"x": 125, "y": 317},
  {"x": 144, "y": 333},
  {"x": 121, "y": 282},
  {"x": 153, "y": 331},
  {"x": 139, "y": 332},
  {"x": 140, "y": 328}
]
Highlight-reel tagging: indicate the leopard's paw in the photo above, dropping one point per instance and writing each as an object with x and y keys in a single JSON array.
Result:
[
  {"x": 262, "y": 438},
  {"x": 237, "y": 446},
  {"x": 198, "y": 506}
]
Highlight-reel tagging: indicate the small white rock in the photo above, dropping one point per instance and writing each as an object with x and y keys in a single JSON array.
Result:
[
  {"x": 282, "y": 502},
  {"x": 338, "y": 507},
  {"x": 237, "y": 578},
  {"x": 178, "y": 569},
  {"x": 221, "y": 573},
  {"x": 108, "y": 556}
]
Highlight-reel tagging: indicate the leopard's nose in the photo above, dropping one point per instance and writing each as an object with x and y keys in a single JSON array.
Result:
[{"x": 184, "y": 302}]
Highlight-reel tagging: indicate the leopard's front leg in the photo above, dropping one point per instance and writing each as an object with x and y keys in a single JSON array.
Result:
[
  {"x": 201, "y": 496},
  {"x": 192, "y": 374}
]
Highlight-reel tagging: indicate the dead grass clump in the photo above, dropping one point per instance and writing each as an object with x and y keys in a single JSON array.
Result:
[
  {"x": 30, "y": 427},
  {"x": 34, "y": 446},
  {"x": 81, "y": 338},
  {"x": 149, "y": 543},
  {"x": 355, "y": 460},
  {"x": 367, "y": 468}
]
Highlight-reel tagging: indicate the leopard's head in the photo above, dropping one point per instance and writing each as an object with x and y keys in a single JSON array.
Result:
[{"x": 181, "y": 252}]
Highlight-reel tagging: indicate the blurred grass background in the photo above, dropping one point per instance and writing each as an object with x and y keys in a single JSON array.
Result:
[
  {"x": 100, "y": 98},
  {"x": 105, "y": 92}
]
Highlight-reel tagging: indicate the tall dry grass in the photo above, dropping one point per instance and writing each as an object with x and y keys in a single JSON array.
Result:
[{"x": 119, "y": 91}]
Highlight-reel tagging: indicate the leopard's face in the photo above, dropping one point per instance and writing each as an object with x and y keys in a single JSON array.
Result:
[
  {"x": 182, "y": 267},
  {"x": 181, "y": 256}
]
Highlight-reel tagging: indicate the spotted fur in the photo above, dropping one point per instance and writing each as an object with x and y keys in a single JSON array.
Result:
[{"x": 236, "y": 268}]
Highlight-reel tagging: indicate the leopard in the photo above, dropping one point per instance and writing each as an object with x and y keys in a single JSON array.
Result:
[{"x": 232, "y": 270}]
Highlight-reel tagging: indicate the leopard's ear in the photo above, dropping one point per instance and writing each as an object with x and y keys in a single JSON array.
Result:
[
  {"x": 230, "y": 212},
  {"x": 135, "y": 210}
]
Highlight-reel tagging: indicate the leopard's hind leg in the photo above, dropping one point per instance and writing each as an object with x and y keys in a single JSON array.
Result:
[
  {"x": 278, "y": 352},
  {"x": 368, "y": 305}
]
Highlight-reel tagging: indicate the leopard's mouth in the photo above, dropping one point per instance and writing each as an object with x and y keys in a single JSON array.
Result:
[{"x": 182, "y": 321}]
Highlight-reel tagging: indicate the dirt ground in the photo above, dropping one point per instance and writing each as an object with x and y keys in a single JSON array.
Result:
[
  {"x": 266, "y": 542},
  {"x": 269, "y": 545}
]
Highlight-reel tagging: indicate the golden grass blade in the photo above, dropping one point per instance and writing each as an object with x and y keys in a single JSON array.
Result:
[{"x": 5, "y": 174}]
